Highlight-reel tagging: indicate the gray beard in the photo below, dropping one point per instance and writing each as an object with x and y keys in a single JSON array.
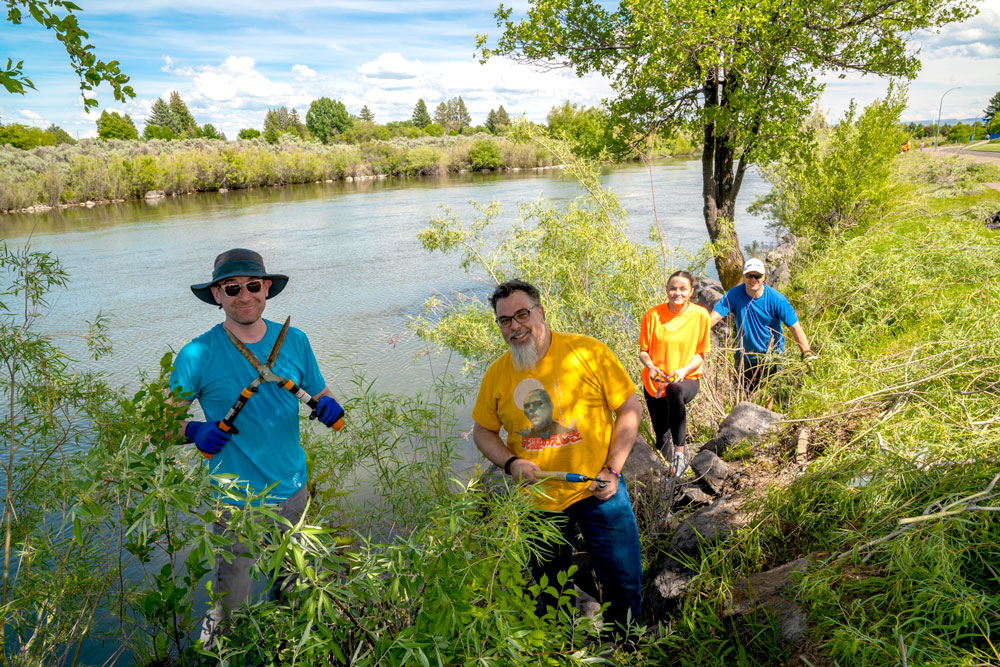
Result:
[{"x": 524, "y": 357}]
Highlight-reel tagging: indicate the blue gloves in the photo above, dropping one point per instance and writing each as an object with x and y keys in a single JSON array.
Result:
[
  {"x": 328, "y": 410},
  {"x": 207, "y": 437}
]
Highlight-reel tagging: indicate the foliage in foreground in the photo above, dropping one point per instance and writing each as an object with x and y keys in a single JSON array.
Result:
[{"x": 114, "y": 525}]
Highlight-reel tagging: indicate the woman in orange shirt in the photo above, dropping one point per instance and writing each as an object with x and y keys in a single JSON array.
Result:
[{"x": 673, "y": 342}]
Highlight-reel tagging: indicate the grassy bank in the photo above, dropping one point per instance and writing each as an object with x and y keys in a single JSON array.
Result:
[
  {"x": 896, "y": 508},
  {"x": 94, "y": 170}
]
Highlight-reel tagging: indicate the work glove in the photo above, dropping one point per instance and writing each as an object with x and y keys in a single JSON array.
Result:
[
  {"x": 328, "y": 410},
  {"x": 808, "y": 357},
  {"x": 207, "y": 437}
]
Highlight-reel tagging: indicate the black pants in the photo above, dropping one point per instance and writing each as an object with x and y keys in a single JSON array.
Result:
[
  {"x": 669, "y": 414},
  {"x": 754, "y": 370}
]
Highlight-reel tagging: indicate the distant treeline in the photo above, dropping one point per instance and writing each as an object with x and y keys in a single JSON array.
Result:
[{"x": 94, "y": 170}]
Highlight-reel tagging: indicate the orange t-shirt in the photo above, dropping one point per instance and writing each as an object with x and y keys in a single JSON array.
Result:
[{"x": 672, "y": 340}]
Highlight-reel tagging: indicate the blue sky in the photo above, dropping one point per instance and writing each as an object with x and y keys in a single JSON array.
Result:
[{"x": 232, "y": 61}]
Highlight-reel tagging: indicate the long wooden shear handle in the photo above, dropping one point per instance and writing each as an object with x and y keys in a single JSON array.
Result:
[{"x": 308, "y": 400}]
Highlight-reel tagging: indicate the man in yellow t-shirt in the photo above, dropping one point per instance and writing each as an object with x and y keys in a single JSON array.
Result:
[{"x": 566, "y": 404}]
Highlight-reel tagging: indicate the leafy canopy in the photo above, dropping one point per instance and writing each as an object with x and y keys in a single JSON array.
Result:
[{"x": 90, "y": 69}]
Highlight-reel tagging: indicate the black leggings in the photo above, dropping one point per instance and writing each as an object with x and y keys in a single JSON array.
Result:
[{"x": 669, "y": 414}]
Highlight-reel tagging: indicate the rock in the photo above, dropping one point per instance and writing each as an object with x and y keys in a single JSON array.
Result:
[
  {"x": 689, "y": 496},
  {"x": 662, "y": 596},
  {"x": 348, "y": 179},
  {"x": 223, "y": 191},
  {"x": 586, "y": 604},
  {"x": 783, "y": 253},
  {"x": 780, "y": 276},
  {"x": 768, "y": 595},
  {"x": 747, "y": 420},
  {"x": 155, "y": 194},
  {"x": 643, "y": 462},
  {"x": 705, "y": 527},
  {"x": 707, "y": 292},
  {"x": 710, "y": 472},
  {"x": 89, "y": 204}
]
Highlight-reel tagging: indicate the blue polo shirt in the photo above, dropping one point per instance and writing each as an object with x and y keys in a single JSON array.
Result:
[
  {"x": 758, "y": 321},
  {"x": 266, "y": 449}
]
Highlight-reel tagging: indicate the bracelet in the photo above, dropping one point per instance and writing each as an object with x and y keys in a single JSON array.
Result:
[
  {"x": 612, "y": 471},
  {"x": 506, "y": 466}
]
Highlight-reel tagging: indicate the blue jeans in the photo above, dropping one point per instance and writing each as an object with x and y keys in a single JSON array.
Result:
[{"x": 612, "y": 538}]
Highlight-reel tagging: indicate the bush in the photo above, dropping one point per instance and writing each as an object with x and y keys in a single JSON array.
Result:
[{"x": 484, "y": 154}]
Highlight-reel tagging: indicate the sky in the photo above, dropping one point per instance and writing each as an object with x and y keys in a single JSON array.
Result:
[{"x": 231, "y": 62}]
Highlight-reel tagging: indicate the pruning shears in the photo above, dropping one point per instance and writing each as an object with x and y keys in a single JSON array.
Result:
[
  {"x": 265, "y": 374},
  {"x": 571, "y": 477}
]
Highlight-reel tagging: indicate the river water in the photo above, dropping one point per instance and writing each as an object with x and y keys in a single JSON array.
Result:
[{"x": 357, "y": 269}]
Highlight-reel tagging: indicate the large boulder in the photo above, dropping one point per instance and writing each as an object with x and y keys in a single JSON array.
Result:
[
  {"x": 705, "y": 527},
  {"x": 763, "y": 598},
  {"x": 747, "y": 420},
  {"x": 710, "y": 472},
  {"x": 663, "y": 593},
  {"x": 707, "y": 291},
  {"x": 643, "y": 462}
]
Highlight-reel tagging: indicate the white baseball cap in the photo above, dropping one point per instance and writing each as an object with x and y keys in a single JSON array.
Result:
[{"x": 754, "y": 265}]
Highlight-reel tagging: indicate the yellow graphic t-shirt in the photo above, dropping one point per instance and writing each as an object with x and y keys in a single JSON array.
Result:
[
  {"x": 560, "y": 414},
  {"x": 671, "y": 340}
]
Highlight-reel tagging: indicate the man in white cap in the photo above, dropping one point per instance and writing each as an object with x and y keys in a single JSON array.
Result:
[
  {"x": 264, "y": 448},
  {"x": 759, "y": 311}
]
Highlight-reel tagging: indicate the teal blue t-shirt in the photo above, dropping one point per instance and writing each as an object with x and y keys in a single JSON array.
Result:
[
  {"x": 267, "y": 448},
  {"x": 758, "y": 321}
]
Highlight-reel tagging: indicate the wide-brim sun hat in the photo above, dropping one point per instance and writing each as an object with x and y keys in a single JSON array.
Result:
[{"x": 239, "y": 262}]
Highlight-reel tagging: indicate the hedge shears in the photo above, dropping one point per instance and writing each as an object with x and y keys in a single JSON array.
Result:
[
  {"x": 264, "y": 374},
  {"x": 572, "y": 477}
]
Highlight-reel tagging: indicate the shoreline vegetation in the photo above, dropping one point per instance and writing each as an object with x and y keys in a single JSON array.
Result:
[{"x": 96, "y": 171}]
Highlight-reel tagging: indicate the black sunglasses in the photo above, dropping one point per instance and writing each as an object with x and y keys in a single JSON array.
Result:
[{"x": 234, "y": 289}]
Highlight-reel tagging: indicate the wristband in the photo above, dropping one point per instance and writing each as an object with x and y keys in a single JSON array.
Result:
[
  {"x": 613, "y": 472},
  {"x": 506, "y": 466}
]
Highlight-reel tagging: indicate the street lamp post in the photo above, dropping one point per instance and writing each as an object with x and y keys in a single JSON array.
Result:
[{"x": 937, "y": 133}]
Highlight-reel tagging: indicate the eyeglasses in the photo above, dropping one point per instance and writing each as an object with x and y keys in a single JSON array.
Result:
[
  {"x": 521, "y": 316},
  {"x": 234, "y": 289},
  {"x": 753, "y": 276}
]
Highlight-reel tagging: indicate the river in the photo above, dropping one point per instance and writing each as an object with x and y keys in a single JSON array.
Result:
[{"x": 357, "y": 269}]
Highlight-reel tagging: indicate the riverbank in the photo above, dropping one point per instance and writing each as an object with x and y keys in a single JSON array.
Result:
[{"x": 863, "y": 530}]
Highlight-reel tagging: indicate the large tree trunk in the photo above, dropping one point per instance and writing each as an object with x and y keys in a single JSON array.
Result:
[{"x": 719, "y": 190}]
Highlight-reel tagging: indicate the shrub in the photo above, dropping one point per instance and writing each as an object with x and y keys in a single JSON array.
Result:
[{"x": 484, "y": 154}]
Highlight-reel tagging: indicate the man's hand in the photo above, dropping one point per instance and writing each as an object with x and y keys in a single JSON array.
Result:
[
  {"x": 808, "y": 357},
  {"x": 207, "y": 437},
  {"x": 523, "y": 470},
  {"x": 610, "y": 489},
  {"x": 328, "y": 410}
]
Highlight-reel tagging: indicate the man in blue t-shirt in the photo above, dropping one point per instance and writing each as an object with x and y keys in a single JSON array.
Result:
[
  {"x": 759, "y": 311},
  {"x": 264, "y": 448}
]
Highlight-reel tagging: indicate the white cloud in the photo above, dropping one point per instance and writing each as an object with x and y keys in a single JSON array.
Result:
[{"x": 303, "y": 73}]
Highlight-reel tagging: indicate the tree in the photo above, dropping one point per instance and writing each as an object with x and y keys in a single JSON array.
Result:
[
  {"x": 24, "y": 136},
  {"x": 90, "y": 70},
  {"x": 586, "y": 128},
  {"x": 460, "y": 115},
  {"x": 327, "y": 119},
  {"x": 281, "y": 121},
  {"x": 366, "y": 115},
  {"x": 992, "y": 108},
  {"x": 251, "y": 133},
  {"x": 184, "y": 125},
  {"x": 421, "y": 118},
  {"x": 745, "y": 74},
  {"x": 491, "y": 119},
  {"x": 502, "y": 120},
  {"x": 60, "y": 135},
  {"x": 161, "y": 123},
  {"x": 993, "y": 127},
  {"x": 441, "y": 115},
  {"x": 112, "y": 125},
  {"x": 208, "y": 131}
]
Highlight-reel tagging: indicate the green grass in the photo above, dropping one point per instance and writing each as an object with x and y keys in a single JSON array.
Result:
[
  {"x": 992, "y": 146},
  {"x": 907, "y": 314}
]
